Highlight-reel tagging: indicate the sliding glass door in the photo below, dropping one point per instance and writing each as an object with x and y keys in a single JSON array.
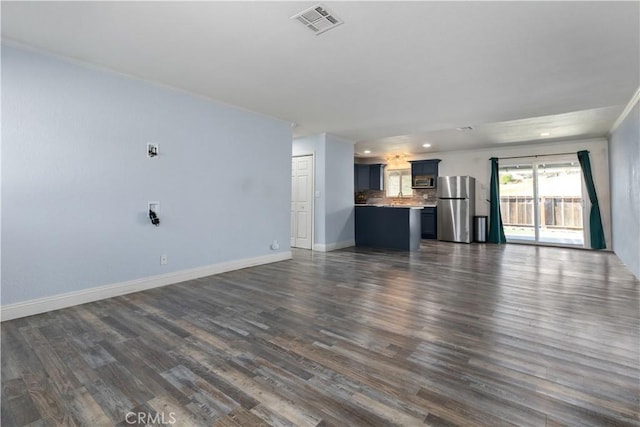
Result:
[
  {"x": 542, "y": 202},
  {"x": 516, "y": 202},
  {"x": 561, "y": 205}
]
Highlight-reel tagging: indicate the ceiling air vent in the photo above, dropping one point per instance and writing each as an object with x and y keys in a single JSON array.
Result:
[{"x": 318, "y": 19}]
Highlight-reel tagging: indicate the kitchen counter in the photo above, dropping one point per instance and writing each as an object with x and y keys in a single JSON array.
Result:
[
  {"x": 378, "y": 205},
  {"x": 388, "y": 227}
]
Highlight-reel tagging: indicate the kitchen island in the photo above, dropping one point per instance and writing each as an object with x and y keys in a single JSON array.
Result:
[{"x": 388, "y": 227}]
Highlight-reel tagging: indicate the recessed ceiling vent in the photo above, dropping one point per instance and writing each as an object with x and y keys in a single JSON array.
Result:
[{"x": 318, "y": 19}]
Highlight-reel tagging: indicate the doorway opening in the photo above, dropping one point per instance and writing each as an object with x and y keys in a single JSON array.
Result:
[
  {"x": 302, "y": 202},
  {"x": 541, "y": 202}
]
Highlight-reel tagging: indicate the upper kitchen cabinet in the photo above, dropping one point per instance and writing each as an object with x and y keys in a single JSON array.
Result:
[
  {"x": 361, "y": 177},
  {"x": 368, "y": 177},
  {"x": 376, "y": 176},
  {"x": 424, "y": 173}
]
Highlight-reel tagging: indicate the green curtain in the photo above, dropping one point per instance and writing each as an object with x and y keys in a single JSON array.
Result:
[
  {"x": 496, "y": 231},
  {"x": 595, "y": 220}
]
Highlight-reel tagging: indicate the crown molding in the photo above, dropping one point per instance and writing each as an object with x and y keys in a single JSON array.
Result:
[{"x": 632, "y": 103}]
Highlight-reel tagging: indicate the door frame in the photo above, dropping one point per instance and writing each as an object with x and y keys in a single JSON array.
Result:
[
  {"x": 313, "y": 193},
  {"x": 535, "y": 163}
]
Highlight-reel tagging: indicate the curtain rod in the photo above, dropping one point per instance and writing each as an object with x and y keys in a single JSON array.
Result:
[{"x": 534, "y": 155}]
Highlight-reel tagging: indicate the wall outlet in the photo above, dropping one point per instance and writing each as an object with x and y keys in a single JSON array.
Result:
[
  {"x": 425, "y": 196},
  {"x": 163, "y": 260},
  {"x": 275, "y": 246}
]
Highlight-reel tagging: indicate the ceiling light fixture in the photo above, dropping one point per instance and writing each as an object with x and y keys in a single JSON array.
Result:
[
  {"x": 367, "y": 151},
  {"x": 426, "y": 145},
  {"x": 396, "y": 160},
  {"x": 545, "y": 134}
]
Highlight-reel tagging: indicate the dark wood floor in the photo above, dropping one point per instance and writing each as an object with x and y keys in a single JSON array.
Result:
[{"x": 453, "y": 335}]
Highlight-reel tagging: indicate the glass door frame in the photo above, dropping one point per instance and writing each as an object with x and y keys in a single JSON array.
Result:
[{"x": 535, "y": 163}]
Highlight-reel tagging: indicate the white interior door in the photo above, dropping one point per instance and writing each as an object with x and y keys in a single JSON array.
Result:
[{"x": 301, "y": 202}]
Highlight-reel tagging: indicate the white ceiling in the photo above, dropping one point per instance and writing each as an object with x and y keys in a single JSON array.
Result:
[{"x": 393, "y": 76}]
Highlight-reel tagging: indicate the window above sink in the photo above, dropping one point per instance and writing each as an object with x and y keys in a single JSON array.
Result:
[{"x": 398, "y": 183}]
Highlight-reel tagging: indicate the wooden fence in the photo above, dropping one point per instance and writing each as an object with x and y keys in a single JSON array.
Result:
[{"x": 555, "y": 211}]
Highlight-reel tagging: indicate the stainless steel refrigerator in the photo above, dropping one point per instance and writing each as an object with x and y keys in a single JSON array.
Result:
[{"x": 456, "y": 208}]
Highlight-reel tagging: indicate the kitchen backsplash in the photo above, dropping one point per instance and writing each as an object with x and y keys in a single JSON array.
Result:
[{"x": 379, "y": 197}]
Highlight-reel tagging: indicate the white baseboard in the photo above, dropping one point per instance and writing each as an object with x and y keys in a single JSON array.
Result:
[
  {"x": 320, "y": 247},
  {"x": 56, "y": 302}
]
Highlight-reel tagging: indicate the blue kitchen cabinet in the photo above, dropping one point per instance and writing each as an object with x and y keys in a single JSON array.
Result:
[
  {"x": 376, "y": 176},
  {"x": 388, "y": 227},
  {"x": 368, "y": 177},
  {"x": 417, "y": 167},
  {"x": 429, "y": 223},
  {"x": 361, "y": 176},
  {"x": 424, "y": 173}
]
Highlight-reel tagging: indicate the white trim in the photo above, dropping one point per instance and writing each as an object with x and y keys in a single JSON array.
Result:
[
  {"x": 56, "y": 302},
  {"x": 320, "y": 247},
  {"x": 632, "y": 103}
]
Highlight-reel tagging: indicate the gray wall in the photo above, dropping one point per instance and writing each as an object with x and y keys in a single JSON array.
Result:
[
  {"x": 333, "y": 204},
  {"x": 624, "y": 155},
  {"x": 76, "y": 179},
  {"x": 340, "y": 228}
]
